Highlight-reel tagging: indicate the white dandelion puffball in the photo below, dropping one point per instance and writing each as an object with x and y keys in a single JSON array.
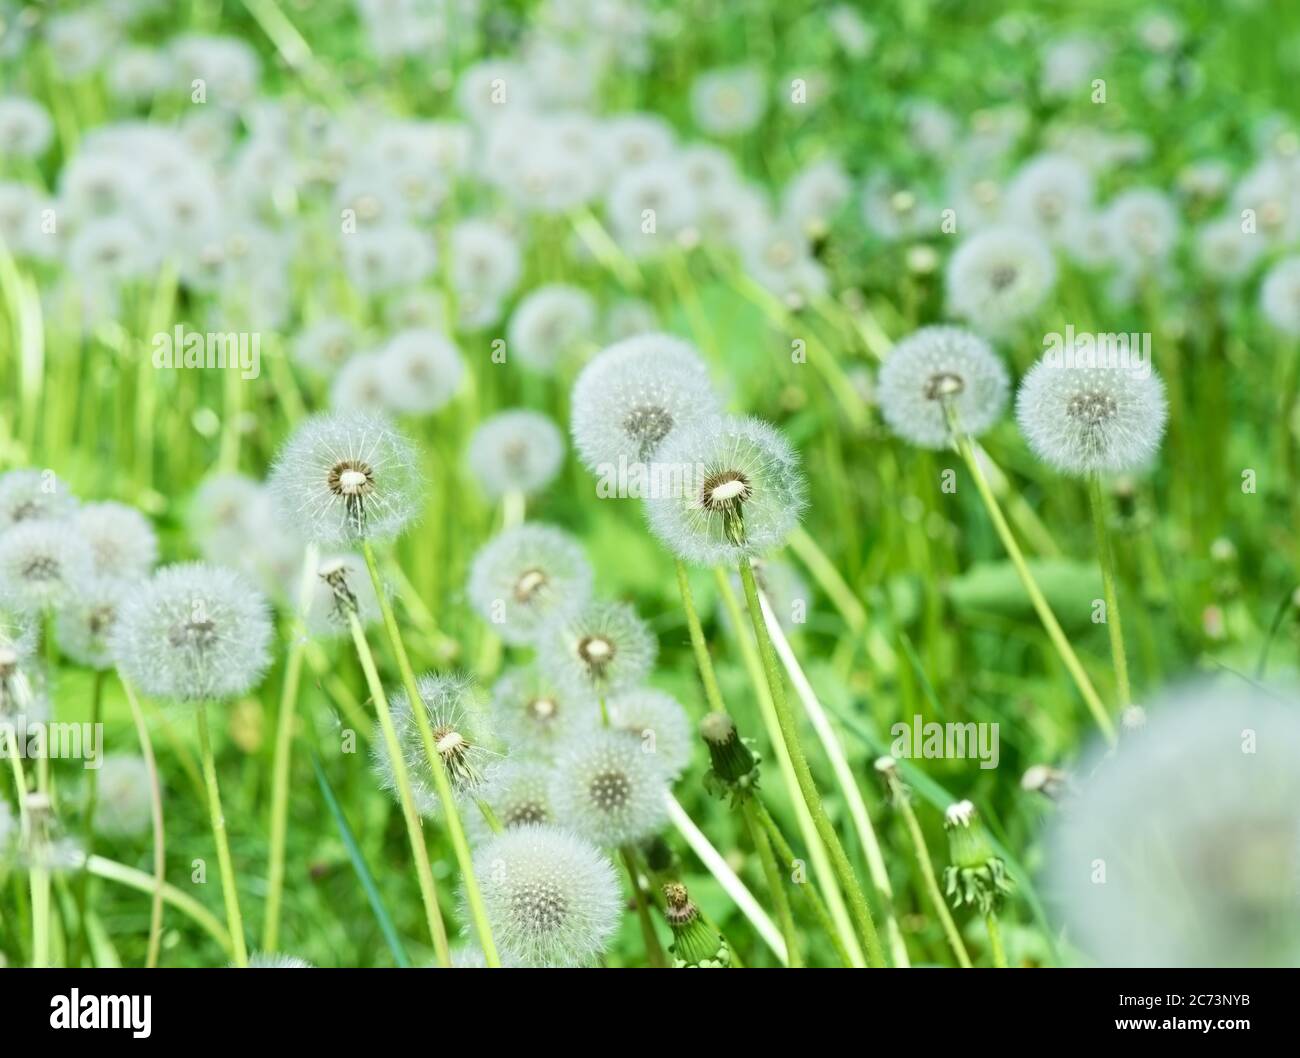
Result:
[
  {"x": 346, "y": 477},
  {"x": 121, "y": 539},
  {"x": 123, "y": 807},
  {"x": 528, "y": 577},
  {"x": 534, "y": 716},
  {"x": 937, "y": 368},
  {"x": 1279, "y": 297},
  {"x": 551, "y": 898},
  {"x": 515, "y": 451},
  {"x": 193, "y": 632},
  {"x": 518, "y": 792},
  {"x": 548, "y": 326},
  {"x": 1050, "y": 192},
  {"x": 261, "y": 960},
  {"x": 324, "y": 346},
  {"x": 84, "y": 621},
  {"x": 341, "y": 586},
  {"x": 42, "y": 563},
  {"x": 600, "y": 650},
  {"x": 485, "y": 260},
  {"x": 359, "y": 386},
  {"x": 32, "y": 495},
  {"x": 608, "y": 788},
  {"x": 728, "y": 101},
  {"x": 419, "y": 371},
  {"x": 25, "y": 127},
  {"x": 659, "y": 721},
  {"x": 1085, "y": 419},
  {"x": 998, "y": 276},
  {"x": 724, "y": 491},
  {"x": 1143, "y": 227},
  {"x": 1195, "y": 822},
  {"x": 1225, "y": 252},
  {"x": 462, "y": 735},
  {"x": 630, "y": 398}
]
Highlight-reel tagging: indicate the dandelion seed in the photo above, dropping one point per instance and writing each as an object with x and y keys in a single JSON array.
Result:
[
  {"x": 515, "y": 451},
  {"x": 551, "y": 898},
  {"x": 534, "y": 716},
  {"x": 419, "y": 371},
  {"x": 346, "y": 477},
  {"x": 608, "y": 789},
  {"x": 528, "y": 577},
  {"x": 462, "y": 736},
  {"x": 998, "y": 276},
  {"x": 41, "y": 564},
  {"x": 193, "y": 632},
  {"x": 629, "y": 399},
  {"x": 739, "y": 494},
  {"x": 121, "y": 539},
  {"x": 600, "y": 650},
  {"x": 1204, "y": 874},
  {"x": 659, "y": 721},
  {"x": 1086, "y": 420},
  {"x": 936, "y": 369}
]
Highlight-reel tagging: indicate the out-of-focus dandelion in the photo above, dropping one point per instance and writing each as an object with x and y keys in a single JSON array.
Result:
[
  {"x": 598, "y": 650},
  {"x": 607, "y": 788},
  {"x": 527, "y": 578},
  {"x": 517, "y": 451}
]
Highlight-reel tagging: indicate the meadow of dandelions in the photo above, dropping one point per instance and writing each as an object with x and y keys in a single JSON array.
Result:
[{"x": 624, "y": 484}]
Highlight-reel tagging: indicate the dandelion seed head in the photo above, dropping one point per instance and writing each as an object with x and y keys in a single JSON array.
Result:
[
  {"x": 528, "y": 577},
  {"x": 534, "y": 716},
  {"x": 41, "y": 564},
  {"x": 121, "y": 539},
  {"x": 729, "y": 100},
  {"x": 325, "y": 346},
  {"x": 659, "y": 721},
  {"x": 548, "y": 325},
  {"x": 262, "y": 960},
  {"x": 86, "y": 619},
  {"x": 515, "y": 451},
  {"x": 608, "y": 789},
  {"x": 342, "y": 478},
  {"x": 342, "y": 585},
  {"x": 739, "y": 492},
  {"x": 1091, "y": 419},
  {"x": 123, "y": 806},
  {"x": 193, "y": 632},
  {"x": 601, "y": 649},
  {"x": 998, "y": 276},
  {"x": 518, "y": 792},
  {"x": 1194, "y": 819},
  {"x": 419, "y": 371},
  {"x": 463, "y": 737},
  {"x": 1279, "y": 297},
  {"x": 551, "y": 898},
  {"x": 1049, "y": 192},
  {"x": 936, "y": 368},
  {"x": 360, "y": 386},
  {"x": 34, "y": 495},
  {"x": 1143, "y": 225}
]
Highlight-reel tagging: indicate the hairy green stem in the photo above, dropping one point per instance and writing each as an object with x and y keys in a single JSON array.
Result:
[
  {"x": 654, "y": 949},
  {"x": 995, "y": 941},
  {"x": 775, "y": 880}
]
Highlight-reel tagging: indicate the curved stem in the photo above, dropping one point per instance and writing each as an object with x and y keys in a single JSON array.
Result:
[
  {"x": 1044, "y": 611},
  {"x": 844, "y": 778},
  {"x": 790, "y": 733},
  {"x": 1107, "y": 560},
  {"x": 712, "y": 694},
  {"x": 775, "y": 880},
  {"x": 144, "y": 883},
  {"x": 234, "y": 920},
  {"x": 455, "y": 829},
  {"x": 159, "y": 838},
  {"x": 414, "y": 833},
  {"x": 654, "y": 950}
]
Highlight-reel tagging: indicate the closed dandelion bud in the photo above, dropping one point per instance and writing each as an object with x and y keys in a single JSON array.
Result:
[
  {"x": 346, "y": 477},
  {"x": 34, "y": 495},
  {"x": 734, "y": 763},
  {"x": 735, "y": 492},
  {"x": 515, "y": 451},
  {"x": 606, "y": 788},
  {"x": 695, "y": 944},
  {"x": 630, "y": 398},
  {"x": 552, "y": 899},
  {"x": 1084, "y": 419},
  {"x": 193, "y": 632},
  {"x": 601, "y": 650},
  {"x": 462, "y": 736},
  {"x": 935, "y": 370},
  {"x": 42, "y": 563},
  {"x": 976, "y": 876},
  {"x": 527, "y": 578}
]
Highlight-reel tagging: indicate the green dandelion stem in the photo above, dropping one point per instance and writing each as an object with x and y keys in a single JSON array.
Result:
[
  {"x": 112, "y": 871},
  {"x": 775, "y": 880},
  {"x": 156, "y": 818},
  {"x": 995, "y": 941},
  {"x": 88, "y": 823},
  {"x": 654, "y": 949},
  {"x": 1106, "y": 557},
  {"x": 703, "y": 661},
  {"x": 234, "y": 920}
]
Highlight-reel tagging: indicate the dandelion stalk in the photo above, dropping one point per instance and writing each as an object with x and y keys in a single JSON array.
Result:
[
  {"x": 159, "y": 836},
  {"x": 700, "y": 645},
  {"x": 141, "y": 882},
  {"x": 995, "y": 940},
  {"x": 789, "y": 732},
  {"x": 1036, "y": 597},
  {"x": 654, "y": 950},
  {"x": 433, "y": 914},
  {"x": 234, "y": 920},
  {"x": 1106, "y": 557},
  {"x": 455, "y": 828},
  {"x": 775, "y": 880},
  {"x": 88, "y": 826}
]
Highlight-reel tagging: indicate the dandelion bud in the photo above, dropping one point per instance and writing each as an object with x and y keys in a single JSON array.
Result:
[
  {"x": 976, "y": 876},
  {"x": 734, "y": 764},
  {"x": 346, "y": 477},
  {"x": 695, "y": 944}
]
